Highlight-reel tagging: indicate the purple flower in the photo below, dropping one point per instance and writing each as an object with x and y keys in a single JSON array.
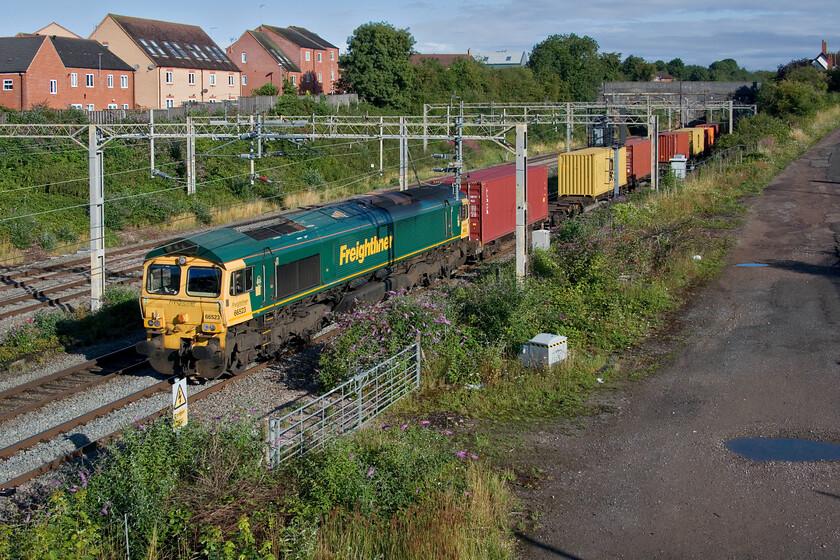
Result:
[
  {"x": 468, "y": 493},
  {"x": 446, "y": 432},
  {"x": 370, "y": 472},
  {"x": 403, "y": 427},
  {"x": 473, "y": 456},
  {"x": 385, "y": 426},
  {"x": 416, "y": 490},
  {"x": 461, "y": 454},
  {"x": 351, "y": 457},
  {"x": 424, "y": 422}
]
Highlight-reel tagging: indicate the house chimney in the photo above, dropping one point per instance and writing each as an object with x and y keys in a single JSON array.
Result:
[
  {"x": 469, "y": 51},
  {"x": 824, "y": 47}
]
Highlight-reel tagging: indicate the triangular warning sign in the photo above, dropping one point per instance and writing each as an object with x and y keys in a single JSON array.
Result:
[{"x": 180, "y": 399}]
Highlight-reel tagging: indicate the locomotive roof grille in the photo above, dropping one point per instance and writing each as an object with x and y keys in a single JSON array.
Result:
[
  {"x": 272, "y": 229},
  {"x": 181, "y": 247}
]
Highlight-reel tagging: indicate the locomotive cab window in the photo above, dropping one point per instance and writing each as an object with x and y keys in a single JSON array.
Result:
[
  {"x": 298, "y": 276},
  {"x": 163, "y": 279},
  {"x": 204, "y": 281},
  {"x": 242, "y": 281}
]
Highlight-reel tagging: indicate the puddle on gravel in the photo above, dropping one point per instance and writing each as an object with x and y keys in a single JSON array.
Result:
[
  {"x": 784, "y": 449},
  {"x": 752, "y": 265}
]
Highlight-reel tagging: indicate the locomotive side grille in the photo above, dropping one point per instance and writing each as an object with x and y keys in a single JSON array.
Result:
[
  {"x": 298, "y": 276},
  {"x": 270, "y": 230}
]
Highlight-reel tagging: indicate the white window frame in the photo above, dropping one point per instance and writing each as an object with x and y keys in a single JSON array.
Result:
[
  {"x": 170, "y": 102},
  {"x": 125, "y": 105},
  {"x": 89, "y": 82},
  {"x": 74, "y": 81},
  {"x": 91, "y": 107},
  {"x": 319, "y": 57},
  {"x": 332, "y": 55},
  {"x": 8, "y": 85},
  {"x": 244, "y": 58},
  {"x": 230, "y": 80},
  {"x": 124, "y": 81},
  {"x": 170, "y": 77},
  {"x": 307, "y": 77},
  {"x": 54, "y": 87},
  {"x": 191, "y": 78},
  {"x": 76, "y": 105},
  {"x": 244, "y": 80},
  {"x": 113, "y": 106},
  {"x": 306, "y": 55},
  {"x": 294, "y": 80},
  {"x": 332, "y": 75},
  {"x": 320, "y": 81},
  {"x": 212, "y": 80},
  {"x": 110, "y": 80}
]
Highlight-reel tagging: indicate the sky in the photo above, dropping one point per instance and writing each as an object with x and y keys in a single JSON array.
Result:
[{"x": 758, "y": 35}]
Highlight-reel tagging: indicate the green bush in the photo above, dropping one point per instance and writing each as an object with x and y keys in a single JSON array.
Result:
[{"x": 21, "y": 232}]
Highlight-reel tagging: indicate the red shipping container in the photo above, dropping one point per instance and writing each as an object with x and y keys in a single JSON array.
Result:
[
  {"x": 710, "y": 133},
  {"x": 492, "y": 196},
  {"x": 672, "y": 143},
  {"x": 638, "y": 158}
]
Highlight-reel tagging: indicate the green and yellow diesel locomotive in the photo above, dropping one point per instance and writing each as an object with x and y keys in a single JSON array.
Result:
[{"x": 214, "y": 302}]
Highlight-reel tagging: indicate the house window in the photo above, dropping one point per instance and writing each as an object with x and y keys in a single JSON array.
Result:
[
  {"x": 332, "y": 55},
  {"x": 294, "y": 80},
  {"x": 319, "y": 57},
  {"x": 169, "y": 79},
  {"x": 170, "y": 102},
  {"x": 124, "y": 82},
  {"x": 113, "y": 106},
  {"x": 76, "y": 105},
  {"x": 74, "y": 81},
  {"x": 244, "y": 58},
  {"x": 125, "y": 105},
  {"x": 89, "y": 80},
  {"x": 306, "y": 54},
  {"x": 110, "y": 80},
  {"x": 53, "y": 86},
  {"x": 230, "y": 80},
  {"x": 7, "y": 85},
  {"x": 244, "y": 80},
  {"x": 319, "y": 78},
  {"x": 191, "y": 78},
  {"x": 90, "y": 107},
  {"x": 332, "y": 75},
  {"x": 212, "y": 79},
  {"x": 306, "y": 77}
]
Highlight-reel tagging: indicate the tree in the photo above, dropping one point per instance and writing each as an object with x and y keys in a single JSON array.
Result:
[
  {"x": 676, "y": 68},
  {"x": 266, "y": 89},
  {"x": 572, "y": 59},
  {"x": 610, "y": 66},
  {"x": 727, "y": 70},
  {"x": 377, "y": 65},
  {"x": 696, "y": 73},
  {"x": 635, "y": 69}
]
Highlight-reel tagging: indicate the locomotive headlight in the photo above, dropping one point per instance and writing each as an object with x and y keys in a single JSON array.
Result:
[
  {"x": 207, "y": 327},
  {"x": 182, "y": 260}
]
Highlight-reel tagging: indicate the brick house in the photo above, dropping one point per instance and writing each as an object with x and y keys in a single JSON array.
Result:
[
  {"x": 52, "y": 29},
  {"x": 62, "y": 72},
  {"x": 262, "y": 61},
  {"x": 175, "y": 62},
  {"x": 316, "y": 58}
]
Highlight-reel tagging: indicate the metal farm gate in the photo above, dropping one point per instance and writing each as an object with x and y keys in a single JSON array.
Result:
[{"x": 345, "y": 408}]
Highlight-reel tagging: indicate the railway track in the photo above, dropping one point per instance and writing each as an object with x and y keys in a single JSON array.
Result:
[
  {"x": 35, "y": 394},
  {"x": 162, "y": 387}
]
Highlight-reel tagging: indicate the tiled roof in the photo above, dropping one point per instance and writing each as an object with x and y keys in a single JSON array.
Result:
[
  {"x": 295, "y": 37},
  {"x": 16, "y": 53},
  {"x": 313, "y": 36},
  {"x": 444, "y": 59},
  {"x": 84, "y": 53},
  {"x": 175, "y": 45},
  {"x": 276, "y": 52}
]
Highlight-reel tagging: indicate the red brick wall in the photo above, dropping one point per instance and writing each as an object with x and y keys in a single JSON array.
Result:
[
  {"x": 11, "y": 99},
  {"x": 259, "y": 63}
]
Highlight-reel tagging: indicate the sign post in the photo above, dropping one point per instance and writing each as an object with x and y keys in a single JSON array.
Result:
[{"x": 179, "y": 403}]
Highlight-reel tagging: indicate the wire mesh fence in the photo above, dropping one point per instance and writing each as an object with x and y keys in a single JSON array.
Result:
[{"x": 345, "y": 408}]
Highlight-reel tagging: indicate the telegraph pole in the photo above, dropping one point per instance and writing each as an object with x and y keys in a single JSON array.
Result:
[{"x": 521, "y": 200}]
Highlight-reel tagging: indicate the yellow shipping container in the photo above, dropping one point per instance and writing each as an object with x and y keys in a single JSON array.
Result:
[
  {"x": 587, "y": 172},
  {"x": 698, "y": 140}
]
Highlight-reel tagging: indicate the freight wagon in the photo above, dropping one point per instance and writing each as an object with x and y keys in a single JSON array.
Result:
[
  {"x": 491, "y": 194},
  {"x": 586, "y": 176},
  {"x": 638, "y": 160},
  {"x": 672, "y": 143}
]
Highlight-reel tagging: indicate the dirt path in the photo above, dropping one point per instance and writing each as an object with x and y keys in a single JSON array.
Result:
[{"x": 653, "y": 478}]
